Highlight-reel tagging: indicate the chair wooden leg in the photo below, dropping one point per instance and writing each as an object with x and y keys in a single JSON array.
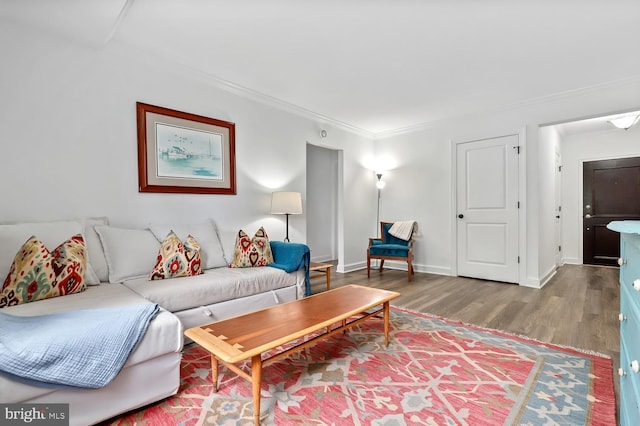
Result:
[
  {"x": 381, "y": 264},
  {"x": 368, "y": 265},
  {"x": 410, "y": 269}
]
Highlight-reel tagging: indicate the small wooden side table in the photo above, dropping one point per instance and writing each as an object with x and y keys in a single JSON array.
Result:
[{"x": 323, "y": 268}]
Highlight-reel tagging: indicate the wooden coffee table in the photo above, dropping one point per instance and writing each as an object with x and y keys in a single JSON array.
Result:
[{"x": 249, "y": 336}]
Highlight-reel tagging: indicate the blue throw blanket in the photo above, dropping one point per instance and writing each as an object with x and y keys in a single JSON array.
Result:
[
  {"x": 78, "y": 349},
  {"x": 292, "y": 257}
]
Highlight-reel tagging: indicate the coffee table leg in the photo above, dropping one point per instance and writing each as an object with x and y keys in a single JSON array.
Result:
[
  {"x": 385, "y": 308},
  {"x": 256, "y": 378},
  {"x": 328, "y": 278},
  {"x": 214, "y": 372}
]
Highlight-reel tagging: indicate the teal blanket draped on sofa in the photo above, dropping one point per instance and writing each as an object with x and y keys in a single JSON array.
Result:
[{"x": 292, "y": 257}]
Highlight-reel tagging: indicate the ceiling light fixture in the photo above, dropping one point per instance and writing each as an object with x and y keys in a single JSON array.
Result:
[{"x": 625, "y": 122}]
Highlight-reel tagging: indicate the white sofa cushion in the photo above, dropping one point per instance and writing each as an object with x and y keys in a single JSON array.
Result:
[
  {"x": 97, "y": 261},
  {"x": 13, "y": 236},
  {"x": 205, "y": 233},
  {"x": 215, "y": 285},
  {"x": 129, "y": 253}
]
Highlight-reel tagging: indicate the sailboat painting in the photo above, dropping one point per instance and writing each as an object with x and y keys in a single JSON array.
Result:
[
  {"x": 183, "y": 153},
  {"x": 188, "y": 153}
]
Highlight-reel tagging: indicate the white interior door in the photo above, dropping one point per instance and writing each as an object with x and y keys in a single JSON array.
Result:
[{"x": 487, "y": 204}]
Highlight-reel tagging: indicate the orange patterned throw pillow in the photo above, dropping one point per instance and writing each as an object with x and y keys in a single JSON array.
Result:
[
  {"x": 250, "y": 252},
  {"x": 36, "y": 273},
  {"x": 177, "y": 259}
]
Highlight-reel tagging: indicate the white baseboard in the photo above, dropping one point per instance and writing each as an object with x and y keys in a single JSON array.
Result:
[
  {"x": 548, "y": 276},
  {"x": 343, "y": 269},
  {"x": 531, "y": 283},
  {"x": 426, "y": 269},
  {"x": 430, "y": 269},
  {"x": 400, "y": 266}
]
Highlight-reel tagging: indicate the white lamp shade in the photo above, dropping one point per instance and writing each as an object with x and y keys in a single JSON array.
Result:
[{"x": 283, "y": 202}]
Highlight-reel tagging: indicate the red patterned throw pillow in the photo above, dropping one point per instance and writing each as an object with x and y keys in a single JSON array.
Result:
[
  {"x": 36, "y": 273},
  {"x": 250, "y": 252},
  {"x": 177, "y": 259}
]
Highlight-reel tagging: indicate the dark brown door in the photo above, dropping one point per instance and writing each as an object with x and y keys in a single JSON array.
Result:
[{"x": 611, "y": 192}]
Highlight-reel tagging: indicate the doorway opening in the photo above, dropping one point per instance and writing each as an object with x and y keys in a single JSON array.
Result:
[{"x": 323, "y": 175}]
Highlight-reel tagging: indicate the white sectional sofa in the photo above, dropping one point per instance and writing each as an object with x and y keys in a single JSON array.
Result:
[{"x": 120, "y": 260}]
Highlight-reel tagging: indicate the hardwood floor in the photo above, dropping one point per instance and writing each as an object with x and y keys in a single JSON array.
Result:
[{"x": 578, "y": 307}]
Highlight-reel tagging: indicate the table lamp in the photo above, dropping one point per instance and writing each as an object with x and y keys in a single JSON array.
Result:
[{"x": 286, "y": 203}]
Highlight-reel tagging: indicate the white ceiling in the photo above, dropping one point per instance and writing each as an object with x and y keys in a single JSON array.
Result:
[{"x": 374, "y": 65}]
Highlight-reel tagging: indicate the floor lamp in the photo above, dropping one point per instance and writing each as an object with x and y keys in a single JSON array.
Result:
[
  {"x": 286, "y": 203},
  {"x": 379, "y": 184}
]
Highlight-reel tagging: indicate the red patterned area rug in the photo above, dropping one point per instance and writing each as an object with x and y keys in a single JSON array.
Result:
[{"x": 434, "y": 372}]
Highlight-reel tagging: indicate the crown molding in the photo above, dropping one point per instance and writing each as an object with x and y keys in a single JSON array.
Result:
[
  {"x": 134, "y": 52},
  {"x": 124, "y": 11},
  {"x": 277, "y": 102},
  {"x": 540, "y": 100},
  {"x": 581, "y": 91},
  {"x": 411, "y": 129}
]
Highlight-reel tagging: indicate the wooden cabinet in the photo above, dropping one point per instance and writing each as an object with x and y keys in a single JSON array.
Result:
[{"x": 629, "y": 371}]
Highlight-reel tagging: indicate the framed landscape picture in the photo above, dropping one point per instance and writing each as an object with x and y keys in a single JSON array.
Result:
[{"x": 180, "y": 152}]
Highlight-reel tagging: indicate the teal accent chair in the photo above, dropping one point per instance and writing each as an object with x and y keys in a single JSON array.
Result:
[{"x": 389, "y": 247}]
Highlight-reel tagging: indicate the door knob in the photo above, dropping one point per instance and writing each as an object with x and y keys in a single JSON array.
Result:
[
  {"x": 460, "y": 216},
  {"x": 587, "y": 216}
]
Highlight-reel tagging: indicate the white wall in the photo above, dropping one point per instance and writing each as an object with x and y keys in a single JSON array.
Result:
[
  {"x": 549, "y": 142},
  {"x": 424, "y": 189},
  {"x": 576, "y": 149},
  {"x": 418, "y": 188},
  {"x": 69, "y": 147}
]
